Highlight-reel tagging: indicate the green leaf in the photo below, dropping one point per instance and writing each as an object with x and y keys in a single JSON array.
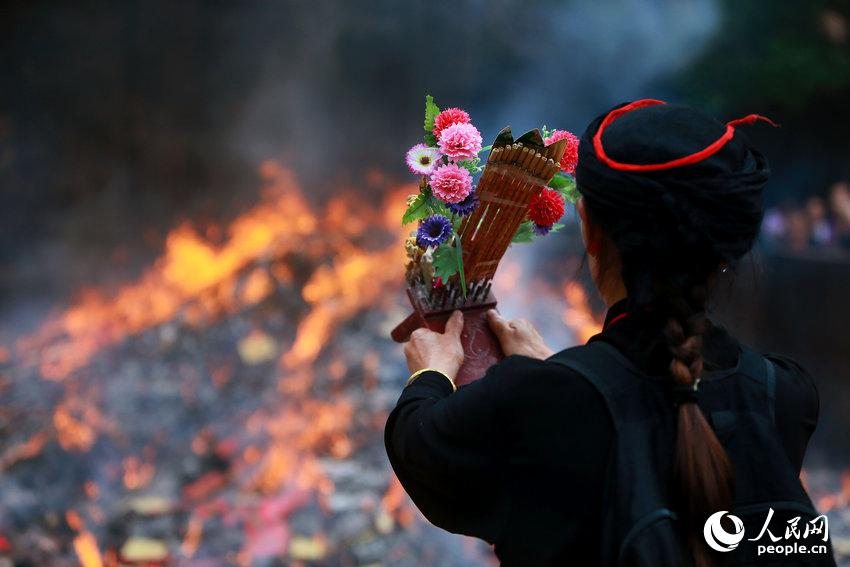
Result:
[
  {"x": 566, "y": 186},
  {"x": 460, "y": 266},
  {"x": 559, "y": 181},
  {"x": 417, "y": 210},
  {"x": 556, "y": 227},
  {"x": 430, "y": 139},
  {"x": 445, "y": 261},
  {"x": 572, "y": 195},
  {"x": 486, "y": 148},
  {"x": 431, "y": 112},
  {"x": 437, "y": 207},
  {"x": 524, "y": 233},
  {"x": 471, "y": 165}
]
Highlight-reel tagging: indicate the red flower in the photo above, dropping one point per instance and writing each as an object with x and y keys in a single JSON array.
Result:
[
  {"x": 448, "y": 117},
  {"x": 546, "y": 208},
  {"x": 570, "y": 159}
]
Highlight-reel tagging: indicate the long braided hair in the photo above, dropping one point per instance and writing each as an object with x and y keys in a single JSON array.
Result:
[
  {"x": 672, "y": 229},
  {"x": 702, "y": 471}
]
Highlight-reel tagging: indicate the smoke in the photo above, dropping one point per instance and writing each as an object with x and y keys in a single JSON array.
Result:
[
  {"x": 601, "y": 54},
  {"x": 342, "y": 89},
  {"x": 121, "y": 122}
]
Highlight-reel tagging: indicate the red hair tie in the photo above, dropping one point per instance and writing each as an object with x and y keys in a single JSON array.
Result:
[{"x": 704, "y": 153}]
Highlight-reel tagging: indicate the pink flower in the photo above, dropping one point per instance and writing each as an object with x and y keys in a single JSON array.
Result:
[
  {"x": 448, "y": 117},
  {"x": 570, "y": 159},
  {"x": 422, "y": 160},
  {"x": 451, "y": 183},
  {"x": 460, "y": 141}
]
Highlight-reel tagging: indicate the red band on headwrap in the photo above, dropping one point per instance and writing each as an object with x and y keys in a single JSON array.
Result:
[{"x": 704, "y": 153}]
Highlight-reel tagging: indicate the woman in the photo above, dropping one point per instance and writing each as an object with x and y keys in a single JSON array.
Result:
[{"x": 618, "y": 451}]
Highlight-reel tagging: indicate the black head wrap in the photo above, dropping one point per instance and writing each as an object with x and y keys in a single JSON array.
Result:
[{"x": 700, "y": 214}]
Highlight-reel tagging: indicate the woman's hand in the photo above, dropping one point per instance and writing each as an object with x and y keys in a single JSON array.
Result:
[
  {"x": 518, "y": 337},
  {"x": 443, "y": 352}
]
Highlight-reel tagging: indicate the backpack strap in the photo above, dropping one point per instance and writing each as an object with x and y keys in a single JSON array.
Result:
[
  {"x": 763, "y": 371},
  {"x": 770, "y": 377},
  {"x": 639, "y": 523},
  {"x": 636, "y": 514},
  {"x": 587, "y": 359}
]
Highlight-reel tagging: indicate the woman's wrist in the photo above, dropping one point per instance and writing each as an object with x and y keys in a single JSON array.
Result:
[{"x": 422, "y": 371}]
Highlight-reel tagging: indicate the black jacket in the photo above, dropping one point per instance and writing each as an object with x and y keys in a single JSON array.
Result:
[{"x": 518, "y": 457}]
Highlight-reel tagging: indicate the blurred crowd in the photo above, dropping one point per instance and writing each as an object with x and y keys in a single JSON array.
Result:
[{"x": 820, "y": 223}]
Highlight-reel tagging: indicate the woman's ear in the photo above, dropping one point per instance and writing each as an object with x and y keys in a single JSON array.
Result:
[{"x": 589, "y": 233}]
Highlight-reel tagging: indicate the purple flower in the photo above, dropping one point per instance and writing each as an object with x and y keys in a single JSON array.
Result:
[
  {"x": 540, "y": 229},
  {"x": 433, "y": 231},
  {"x": 466, "y": 206}
]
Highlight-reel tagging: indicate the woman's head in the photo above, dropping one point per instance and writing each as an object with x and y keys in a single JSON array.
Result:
[
  {"x": 669, "y": 197},
  {"x": 677, "y": 223}
]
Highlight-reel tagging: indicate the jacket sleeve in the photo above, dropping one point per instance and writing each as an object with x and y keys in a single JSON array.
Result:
[
  {"x": 797, "y": 407},
  {"x": 445, "y": 449}
]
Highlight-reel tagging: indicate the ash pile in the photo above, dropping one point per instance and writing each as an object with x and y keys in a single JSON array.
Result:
[{"x": 233, "y": 420}]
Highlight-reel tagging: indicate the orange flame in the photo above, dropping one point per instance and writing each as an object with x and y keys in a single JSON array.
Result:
[
  {"x": 23, "y": 451},
  {"x": 76, "y": 424},
  {"x": 189, "y": 267},
  {"x": 578, "y": 315},
  {"x": 85, "y": 544},
  {"x": 137, "y": 474},
  {"x": 86, "y": 547},
  {"x": 396, "y": 504},
  {"x": 195, "y": 280},
  {"x": 194, "y": 534}
]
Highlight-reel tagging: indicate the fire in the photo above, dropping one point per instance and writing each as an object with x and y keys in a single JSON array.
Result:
[
  {"x": 86, "y": 547},
  {"x": 26, "y": 450},
  {"x": 189, "y": 267},
  {"x": 76, "y": 424},
  {"x": 85, "y": 544},
  {"x": 289, "y": 459},
  {"x": 258, "y": 285},
  {"x": 395, "y": 504},
  {"x": 194, "y": 534},
  {"x": 137, "y": 474},
  {"x": 578, "y": 315},
  {"x": 337, "y": 292},
  {"x": 195, "y": 270},
  {"x": 520, "y": 292},
  {"x": 272, "y": 458},
  {"x": 838, "y": 499}
]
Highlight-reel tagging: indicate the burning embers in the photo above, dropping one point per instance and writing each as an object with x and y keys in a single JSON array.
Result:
[
  {"x": 192, "y": 279},
  {"x": 226, "y": 408}
]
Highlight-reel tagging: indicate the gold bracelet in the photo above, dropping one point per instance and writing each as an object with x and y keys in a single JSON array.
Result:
[{"x": 418, "y": 373}]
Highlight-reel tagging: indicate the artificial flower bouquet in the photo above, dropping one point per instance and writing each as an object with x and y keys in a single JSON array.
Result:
[
  {"x": 464, "y": 227},
  {"x": 447, "y": 161}
]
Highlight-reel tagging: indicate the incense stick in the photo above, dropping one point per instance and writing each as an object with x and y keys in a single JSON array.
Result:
[{"x": 513, "y": 174}]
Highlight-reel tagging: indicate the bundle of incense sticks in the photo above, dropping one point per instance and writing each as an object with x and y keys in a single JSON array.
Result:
[
  {"x": 451, "y": 296},
  {"x": 514, "y": 173}
]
